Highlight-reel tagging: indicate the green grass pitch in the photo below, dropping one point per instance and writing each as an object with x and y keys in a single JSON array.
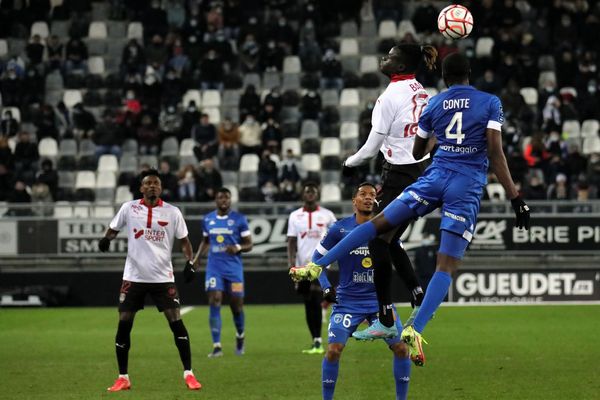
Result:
[{"x": 541, "y": 352}]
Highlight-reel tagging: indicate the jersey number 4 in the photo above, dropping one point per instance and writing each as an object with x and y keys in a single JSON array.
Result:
[{"x": 458, "y": 135}]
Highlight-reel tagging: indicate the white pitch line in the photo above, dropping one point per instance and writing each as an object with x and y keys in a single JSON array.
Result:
[
  {"x": 185, "y": 310},
  {"x": 520, "y": 303}
]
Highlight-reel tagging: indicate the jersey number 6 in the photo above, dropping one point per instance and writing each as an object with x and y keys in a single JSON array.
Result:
[{"x": 456, "y": 120}]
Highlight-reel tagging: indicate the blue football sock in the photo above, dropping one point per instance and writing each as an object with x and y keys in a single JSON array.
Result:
[
  {"x": 359, "y": 235},
  {"x": 401, "y": 376},
  {"x": 238, "y": 320},
  {"x": 435, "y": 294},
  {"x": 329, "y": 377},
  {"x": 214, "y": 321}
]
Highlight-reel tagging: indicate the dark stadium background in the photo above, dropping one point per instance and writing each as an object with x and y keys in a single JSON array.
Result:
[{"x": 260, "y": 96}]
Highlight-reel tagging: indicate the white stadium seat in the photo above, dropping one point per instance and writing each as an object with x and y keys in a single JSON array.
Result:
[
  {"x": 63, "y": 209},
  {"x": 96, "y": 65},
  {"x": 187, "y": 147},
  {"x": 349, "y": 97},
  {"x": 292, "y": 144},
  {"x": 571, "y": 128},
  {"x": 211, "y": 98},
  {"x": 530, "y": 95},
  {"x": 123, "y": 194},
  {"x": 369, "y": 64},
  {"x": 72, "y": 97},
  {"x": 484, "y": 47},
  {"x": 85, "y": 180},
  {"x": 349, "y": 47},
  {"x": 331, "y": 193},
  {"x": 48, "y": 148},
  {"x": 97, "y": 30},
  {"x": 311, "y": 162},
  {"x": 82, "y": 209},
  {"x": 589, "y": 128},
  {"x": 249, "y": 163},
  {"x": 291, "y": 65},
  {"x": 387, "y": 29},
  {"x": 106, "y": 180},
  {"x": 496, "y": 192},
  {"x": 135, "y": 30},
  {"x": 40, "y": 28},
  {"x": 108, "y": 162},
  {"x": 330, "y": 147},
  {"x": 194, "y": 95}
]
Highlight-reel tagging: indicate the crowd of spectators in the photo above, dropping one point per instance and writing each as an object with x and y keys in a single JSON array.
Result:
[{"x": 195, "y": 44}]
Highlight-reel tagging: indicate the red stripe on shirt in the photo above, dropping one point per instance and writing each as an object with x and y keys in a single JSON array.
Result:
[
  {"x": 149, "y": 220},
  {"x": 401, "y": 77}
]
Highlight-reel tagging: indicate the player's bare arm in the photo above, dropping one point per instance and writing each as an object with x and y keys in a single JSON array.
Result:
[
  {"x": 104, "y": 243},
  {"x": 499, "y": 167},
  {"x": 244, "y": 247},
  {"x": 420, "y": 147},
  {"x": 292, "y": 249},
  {"x": 498, "y": 163},
  {"x": 186, "y": 248}
]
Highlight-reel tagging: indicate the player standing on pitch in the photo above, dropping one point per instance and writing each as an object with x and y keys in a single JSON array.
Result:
[
  {"x": 394, "y": 126},
  {"x": 226, "y": 236},
  {"x": 306, "y": 227},
  {"x": 355, "y": 299},
  {"x": 152, "y": 224},
  {"x": 467, "y": 125}
]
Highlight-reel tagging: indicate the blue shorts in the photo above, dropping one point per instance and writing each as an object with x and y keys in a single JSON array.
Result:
[
  {"x": 459, "y": 197},
  {"x": 342, "y": 324},
  {"x": 225, "y": 281}
]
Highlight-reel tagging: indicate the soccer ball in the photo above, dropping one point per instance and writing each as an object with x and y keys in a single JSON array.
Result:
[{"x": 455, "y": 22}]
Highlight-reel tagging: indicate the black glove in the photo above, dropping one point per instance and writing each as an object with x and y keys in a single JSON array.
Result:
[
  {"x": 347, "y": 172},
  {"x": 416, "y": 297},
  {"x": 189, "y": 273},
  {"x": 104, "y": 244},
  {"x": 521, "y": 212},
  {"x": 329, "y": 295}
]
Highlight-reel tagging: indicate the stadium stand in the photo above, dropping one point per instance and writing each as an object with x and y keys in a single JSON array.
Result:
[{"x": 317, "y": 83}]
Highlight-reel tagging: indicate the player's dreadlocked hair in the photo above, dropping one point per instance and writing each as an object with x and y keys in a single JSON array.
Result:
[{"x": 411, "y": 55}]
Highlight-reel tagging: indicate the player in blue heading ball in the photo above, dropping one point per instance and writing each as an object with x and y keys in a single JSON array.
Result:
[
  {"x": 467, "y": 125},
  {"x": 356, "y": 299}
]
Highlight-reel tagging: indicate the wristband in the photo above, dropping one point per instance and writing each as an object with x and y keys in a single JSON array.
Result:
[{"x": 238, "y": 247}]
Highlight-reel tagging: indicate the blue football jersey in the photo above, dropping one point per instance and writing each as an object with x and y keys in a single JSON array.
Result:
[
  {"x": 355, "y": 287},
  {"x": 223, "y": 231},
  {"x": 458, "y": 118}
]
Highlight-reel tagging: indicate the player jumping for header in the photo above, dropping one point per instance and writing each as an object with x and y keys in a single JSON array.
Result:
[{"x": 466, "y": 123}]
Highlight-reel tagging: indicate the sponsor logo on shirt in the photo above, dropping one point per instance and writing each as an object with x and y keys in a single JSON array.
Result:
[
  {"x": 363, "y": 277},
  {"x": 230, "y": 222},
  {"x": 454, "y": 216},
  {"x": 154, "y": 235},
  {"x": 163, "y": 223},
  {"x": 459, "y": 149},
  {"x": 310, "y": 234},
  {"x": 367, "y": 262},
  {"x": 220, "y": 239},
  {"x": 220, "y": 231},
  {"x": 360, "y": 251}
]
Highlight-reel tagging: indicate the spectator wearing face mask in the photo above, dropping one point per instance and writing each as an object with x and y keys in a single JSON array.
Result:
[
  {"x": 9, "y": 126},
  {"x": 331, "y": 71}
]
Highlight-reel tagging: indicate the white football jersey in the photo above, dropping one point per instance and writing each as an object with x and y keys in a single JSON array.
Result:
[
  {"x": 396, "y": 115},
  {"x": 309, "y": 227},
  {"x": 150, "y": 234}
]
